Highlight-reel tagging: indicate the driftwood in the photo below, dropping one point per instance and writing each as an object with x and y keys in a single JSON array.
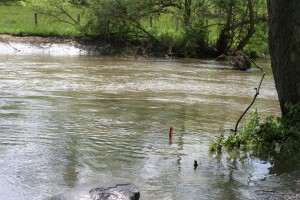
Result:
[{"x": 238, "y": 60}]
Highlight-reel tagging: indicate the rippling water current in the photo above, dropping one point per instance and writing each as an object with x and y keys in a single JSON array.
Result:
[{"x": 68, "y": 120}]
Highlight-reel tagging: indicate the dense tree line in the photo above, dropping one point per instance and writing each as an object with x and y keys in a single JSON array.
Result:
[{"x": 208, "y": 27}]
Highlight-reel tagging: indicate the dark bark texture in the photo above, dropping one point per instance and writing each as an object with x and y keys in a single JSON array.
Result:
[
  {"x": 284, "y": 45},
  {"x": 251, "y": 29},
  {"x": 225, "y": 36}
]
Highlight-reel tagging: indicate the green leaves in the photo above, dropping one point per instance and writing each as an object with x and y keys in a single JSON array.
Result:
[
  {"x": 275, "y": 137},
  {"x": 192, "y": 24}
]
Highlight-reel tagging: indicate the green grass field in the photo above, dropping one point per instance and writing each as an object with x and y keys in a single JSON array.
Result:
[{"x": 19, "y": 20}]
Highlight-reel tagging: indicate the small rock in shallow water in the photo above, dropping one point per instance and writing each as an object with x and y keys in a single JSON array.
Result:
[
  {"x": 108, "y": 191},
  {"x": 195, "y": 164}
]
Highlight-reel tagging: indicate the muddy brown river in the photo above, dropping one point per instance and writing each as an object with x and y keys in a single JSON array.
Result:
[{"x": 69, "y": 120}]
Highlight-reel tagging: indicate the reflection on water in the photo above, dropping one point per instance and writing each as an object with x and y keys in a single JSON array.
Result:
[{"x": 65, "y": 121}]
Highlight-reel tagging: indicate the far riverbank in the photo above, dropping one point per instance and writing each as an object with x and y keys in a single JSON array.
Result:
[
  {"x": 56, "y": 45},
  {"x": 76, "y": 45}
]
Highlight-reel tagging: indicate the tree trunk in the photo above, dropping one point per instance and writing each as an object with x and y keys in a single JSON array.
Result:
[
  {"x": 225, "y": 38},
  {"x": 187, "y": 13},
  {"x": 284, "y": 45},
  {"x": 251, "y": 29}
]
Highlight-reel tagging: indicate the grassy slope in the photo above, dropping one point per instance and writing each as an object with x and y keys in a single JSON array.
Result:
[{"x": 18, "y": 20}]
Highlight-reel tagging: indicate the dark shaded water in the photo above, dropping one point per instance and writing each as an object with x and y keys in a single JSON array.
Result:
[{"x": 70, "y": 120}]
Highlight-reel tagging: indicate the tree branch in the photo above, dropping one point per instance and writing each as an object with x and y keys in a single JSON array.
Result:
[
  {"x": 58, "y": 15},
  {"x": 254, "y": 98},
  {"x": 251, "y": 29}
]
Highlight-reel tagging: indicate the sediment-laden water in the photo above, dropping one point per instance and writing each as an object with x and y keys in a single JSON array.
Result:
[{"x": 68, "y": 120}]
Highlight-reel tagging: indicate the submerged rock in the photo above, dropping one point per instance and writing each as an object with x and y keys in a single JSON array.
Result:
[{"x": 109, "y": 191}]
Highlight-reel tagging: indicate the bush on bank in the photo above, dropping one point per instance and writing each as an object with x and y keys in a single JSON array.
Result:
[{"x": 273, "y": 139}]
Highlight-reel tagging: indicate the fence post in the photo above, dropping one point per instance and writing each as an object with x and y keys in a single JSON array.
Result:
[
  {"x": 35, "y": 19},
  {"x": 78, "y": 18},
  {"x": 151, "y": 22}
]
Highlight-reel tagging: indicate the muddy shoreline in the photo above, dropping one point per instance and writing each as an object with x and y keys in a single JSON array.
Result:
[
  {"x": 53, "y": 45},
  {"x": 5, "y": 38},
  {"x": 80, "y": 46}
]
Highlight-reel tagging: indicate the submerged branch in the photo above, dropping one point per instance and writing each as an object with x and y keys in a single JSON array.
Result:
[{"x": 254, "y": 98}]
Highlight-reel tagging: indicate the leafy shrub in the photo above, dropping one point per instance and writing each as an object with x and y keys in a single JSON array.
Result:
[
  {"x": 279, "y": 137},
  {"x": 185, "y": 43}
]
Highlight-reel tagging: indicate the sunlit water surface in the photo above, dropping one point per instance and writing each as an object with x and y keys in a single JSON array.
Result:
[{"x": 69, "y": 120}]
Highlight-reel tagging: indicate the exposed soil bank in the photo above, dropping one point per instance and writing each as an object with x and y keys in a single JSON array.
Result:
[
  {"x": 56, "y": 45},
  {"x": 33, "y": 39},
  {"x": 73, "y": 46},
  {"x": 92, "y": 46}
]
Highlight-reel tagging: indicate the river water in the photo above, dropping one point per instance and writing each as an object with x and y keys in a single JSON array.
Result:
[{"x": 69, "y": 120}]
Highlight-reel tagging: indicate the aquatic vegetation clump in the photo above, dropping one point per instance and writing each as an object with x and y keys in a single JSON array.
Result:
[{"x": 273, "y": 137}]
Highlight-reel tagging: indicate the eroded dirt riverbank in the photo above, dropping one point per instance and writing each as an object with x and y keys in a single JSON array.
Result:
[
  {"x": 33, "y": 39},
  {"x": 56, "y": 45},
  {"x": 68, "y": 46}
]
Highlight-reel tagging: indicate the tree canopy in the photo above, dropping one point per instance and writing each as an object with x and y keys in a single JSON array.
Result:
[{"x": 199, "y": 27}]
